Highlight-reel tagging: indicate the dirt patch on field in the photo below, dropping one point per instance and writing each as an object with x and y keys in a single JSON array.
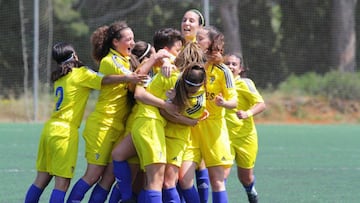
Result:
[
  {"x": 280, "y": 109},
  {"x": 310, "y": 110}
]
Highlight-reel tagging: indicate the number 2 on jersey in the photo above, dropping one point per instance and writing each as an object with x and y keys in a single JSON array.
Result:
[{"x": 59, "y": 92}]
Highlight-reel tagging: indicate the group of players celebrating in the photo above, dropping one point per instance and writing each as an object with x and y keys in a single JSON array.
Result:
[{"x": 166, "y": 113}]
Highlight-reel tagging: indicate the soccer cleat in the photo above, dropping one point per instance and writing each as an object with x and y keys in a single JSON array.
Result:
[{"x": 253, "y": 196}]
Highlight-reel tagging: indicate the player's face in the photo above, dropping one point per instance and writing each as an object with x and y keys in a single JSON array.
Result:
[
  {"x": 233, "y": 63},
  {"x": 191, "y": 90},
  {"x": 203, "y": 39},
  {"x": 190, "y": 25},
  {"x": 126, "y": 43},
  {"x": 176, "y": 48}
]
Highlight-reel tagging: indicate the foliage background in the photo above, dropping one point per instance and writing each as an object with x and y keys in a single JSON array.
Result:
[{"x": 279, "y": 40}]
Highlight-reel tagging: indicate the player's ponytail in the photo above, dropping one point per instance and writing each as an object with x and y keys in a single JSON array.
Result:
[{"x": 65, "y": 56}]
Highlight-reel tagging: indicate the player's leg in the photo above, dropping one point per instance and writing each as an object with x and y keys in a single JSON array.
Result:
[
  {"x": 154, "y": 182},
  {"x": 216, "y": 174},
  {"x": 247, "y": 179},
  {"x": 122, "y": 171},
  {"x": 36, "y": 189},
  {"x": 186, "y": 181},
  {"x": 246, "y": 151},
  {"x": 103, "y": 187},
  {"x": 170, "y": 193},
  {"x": 202, "y": 182},
  {"x": 92, "y": 175},
  {"x": 59, "y": 191}
]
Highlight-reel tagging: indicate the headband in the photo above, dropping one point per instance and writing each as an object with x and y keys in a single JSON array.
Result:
[
  {"x": 146, "y": 51},
  {"x": 68, "y": 59},
  {"x": 200, "y": 16},
  {"x": 193, "y": 84}
]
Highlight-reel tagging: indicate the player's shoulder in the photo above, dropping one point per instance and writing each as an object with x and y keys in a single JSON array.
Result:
[{"x": 222, "y": 67}]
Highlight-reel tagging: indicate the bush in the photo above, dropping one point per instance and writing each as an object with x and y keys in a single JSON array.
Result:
[{"x": 333, "y": 85}]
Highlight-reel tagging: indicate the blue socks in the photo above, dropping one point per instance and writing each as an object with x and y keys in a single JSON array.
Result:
[
  {"x": 180, "y": 192},
  {"x": 57, "y": 196},
  {"x": 220, "y": 197},
  {"x": 202, "y": 182},
  {"x": 98, "y": 194},
  {"x": 191, "y": 195},
  {"x": 33, "y": 194},
  {"x": 250, "y": 190},
  {"x": 170, "y": 195},
  {"x": 122, "y": 174},
  {"x": 78, "y": 191},
  {"x": 150, "y": 196},
  {"x": 115, "y": 195}
]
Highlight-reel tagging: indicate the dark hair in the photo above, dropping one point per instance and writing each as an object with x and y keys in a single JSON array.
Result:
[
  {"x": 65, "y": 56},
  {"x": 201, "y": 17},
  {"x": 101, "y": 38},
  {"x": 242, "y": 63},
  {"x": 141, "y": 50},
  {"x": 216, "y": 38},
  {"x": 193, "y": 75},
  {"x": 138, "y": 53},
  {"x": 166, "y": 37}
]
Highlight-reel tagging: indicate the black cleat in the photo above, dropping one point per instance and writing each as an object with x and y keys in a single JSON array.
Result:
[{"x": 253, "y": 197}]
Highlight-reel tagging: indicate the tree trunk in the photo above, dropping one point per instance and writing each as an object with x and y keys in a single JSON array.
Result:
[
  {"x": 343, "y": 35},
  {"x": 24, "y": 57},
  {"x": 231, "y": 25}
]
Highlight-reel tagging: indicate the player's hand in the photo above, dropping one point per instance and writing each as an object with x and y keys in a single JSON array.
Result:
[
  {"x": 166, "y": 68},
  {"x": 219, "y": 100},
  {"x": 161, "y": 54},
  {"x": 242, "y": 114},
  {"x": 204, "y": 115},
  {"x": 171, "y": 93},
  {"x": 137, "y": 78}
]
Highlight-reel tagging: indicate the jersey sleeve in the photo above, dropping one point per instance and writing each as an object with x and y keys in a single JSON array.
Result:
[
  {"x": 250, "y": 92},
  {"x": 89, "y": 78}
]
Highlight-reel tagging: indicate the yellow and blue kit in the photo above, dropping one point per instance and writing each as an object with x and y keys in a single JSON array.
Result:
[
  {"x": 58, "y": 147},
  {"x": 242, "y": 132}
]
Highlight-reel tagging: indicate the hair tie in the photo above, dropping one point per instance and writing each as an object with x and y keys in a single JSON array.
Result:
[{"x": 146, "y": 51}]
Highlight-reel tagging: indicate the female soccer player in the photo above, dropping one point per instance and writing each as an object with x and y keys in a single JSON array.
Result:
[
  {"x": 148, "y": 129},
  {"x": 211, "y": 135},
  {"x": 111, "y": 48},
  {"x": 241, "y": 125},
  {"x": 125, "y": 160},
  {"x": 167, "y": 43},
  {"x": 177, "y": 135},
  {"x": 58, "y": 145},
  {"x": 191, "y": 22}
]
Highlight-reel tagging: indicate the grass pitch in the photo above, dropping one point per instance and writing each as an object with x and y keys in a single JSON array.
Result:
[{"x": 296, "y": 163}]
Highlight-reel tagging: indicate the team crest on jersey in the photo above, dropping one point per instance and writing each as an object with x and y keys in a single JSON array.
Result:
[
  {"x": 212, "y": 79},
  {"x": 97, "y": 156}
]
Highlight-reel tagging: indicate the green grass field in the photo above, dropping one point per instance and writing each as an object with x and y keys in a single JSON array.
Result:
[{"x": 296, "y": 163}]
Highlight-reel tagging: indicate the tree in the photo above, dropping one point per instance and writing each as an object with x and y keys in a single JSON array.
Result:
[
  {"x": 343, "y": 35},
  {"x": 231, "y": 26}
]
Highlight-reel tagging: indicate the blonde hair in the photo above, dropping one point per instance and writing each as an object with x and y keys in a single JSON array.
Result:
[{"x": 191, "y": 53}]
